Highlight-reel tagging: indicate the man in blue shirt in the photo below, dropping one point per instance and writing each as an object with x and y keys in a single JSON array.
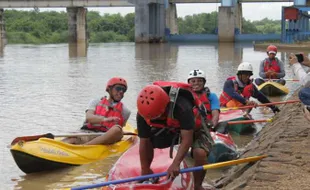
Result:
[{"x": 206, "y": 115}]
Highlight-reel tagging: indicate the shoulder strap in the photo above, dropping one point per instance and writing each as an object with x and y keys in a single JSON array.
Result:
[{"x": 173, "y": 95}]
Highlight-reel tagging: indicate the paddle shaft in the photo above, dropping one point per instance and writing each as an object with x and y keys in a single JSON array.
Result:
[
  {"x": 261, "y": 105},
  {"x": 51, "y": 136},
  {"x": 278, "y": 79},
  {"x": 249, "y": 121},
  {"x": 193, "y": 169}
]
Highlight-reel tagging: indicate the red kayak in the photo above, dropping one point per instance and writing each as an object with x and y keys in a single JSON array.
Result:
[{"x": 128, "y": 166}]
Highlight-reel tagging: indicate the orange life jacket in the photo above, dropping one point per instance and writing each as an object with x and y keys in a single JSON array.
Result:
[
  {"x": 246, "y": 92},
  {"x": 174, "y": 90},
  {"x": 273, "y": 65},
  {"x": 105, "y": 109}
]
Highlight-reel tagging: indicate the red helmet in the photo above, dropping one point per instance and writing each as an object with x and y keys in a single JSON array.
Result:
[
  {"x": 152, "y": 102},
  {"x": 272, "y": 49},
  {"x": 116, "y": 80}
]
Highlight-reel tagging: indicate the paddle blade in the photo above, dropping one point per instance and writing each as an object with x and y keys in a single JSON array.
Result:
[
  {"x": 32, "y": 138},
  {"x": 233, "y": 162},
  {"x": 249, "y": 121}
]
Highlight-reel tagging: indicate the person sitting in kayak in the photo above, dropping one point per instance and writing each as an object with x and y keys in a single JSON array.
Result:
[
  {"x": 165, "y": 113},
  {"x": 211, "y": 112},
  {"x": 271, "y": 68},
  {"x": 304, "y": 80},
  {"x": 238, "y": 90},
  {"x": 107, "y": 114}
]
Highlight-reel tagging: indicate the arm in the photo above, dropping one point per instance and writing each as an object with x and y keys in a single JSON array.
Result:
[
  {"x": 126, "y": 114},
  {"x": 186, "y": 143},
  {"x": 92, "y": 118},
  {"x": 215, "y": 108},
  {"x": 90, "y": 112},
  {"x": 146, "y": 151},
  {"x": 230, "y": 90},
  {"x": 282, "y": 70},
  {"x": 261, "y": 70},
  {"x": 260, "y": 96},
  {"x": 304, "y": 78}
]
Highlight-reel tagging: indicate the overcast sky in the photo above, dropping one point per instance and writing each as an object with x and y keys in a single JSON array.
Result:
[{"x": 251, "y": 11}]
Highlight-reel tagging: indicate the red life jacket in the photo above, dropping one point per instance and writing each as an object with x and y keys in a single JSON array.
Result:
[
  {"x": 105, "y": 109},
  {"x": 273, "y": 65},
  {"x": 207, "y": 108},
  {"x": 246, "y": 92},
  {"x": 174, "y": 90}
]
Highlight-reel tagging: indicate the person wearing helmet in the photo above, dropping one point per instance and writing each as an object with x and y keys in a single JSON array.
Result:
[
  {"x": 271, "y": 68},
  {"x": 211, "y": 112},
  {"x": 165, "y": 114},
  {"x": 106, "y": 114},
  {"x": 238, "y": 89}
]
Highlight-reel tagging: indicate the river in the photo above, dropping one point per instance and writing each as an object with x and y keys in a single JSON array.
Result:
[{"x": 43, "y": 90}]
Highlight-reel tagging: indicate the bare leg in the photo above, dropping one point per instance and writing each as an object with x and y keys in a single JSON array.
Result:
[
  {"x": 200, "y": 157},
  {"x": 72, "y": 140},
  {"x": 112, "y": 136}
]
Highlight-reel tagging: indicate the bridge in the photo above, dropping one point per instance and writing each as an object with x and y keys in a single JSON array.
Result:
[
  {"x": 100, "y": 3},
  {"x": 155, "y": 20}
]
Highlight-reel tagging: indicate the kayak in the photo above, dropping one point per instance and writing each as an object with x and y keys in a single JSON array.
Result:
[
  {"x": 49, "y": 154},
  {"x": 236, "y": 115},
  {"x": 224, "y": 148},
  {"x": 128, "y": 166},
  {"x": 273, "y": 89}
]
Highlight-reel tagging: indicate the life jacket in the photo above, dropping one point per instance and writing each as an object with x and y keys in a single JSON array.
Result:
[
  {"x": 173, "y": 89},
  {"x": 273, "y": 65},
  {"x": 204, "y": 110},
  {"x": 246, "y": 91},
  {"x": 105, "y": 109}
]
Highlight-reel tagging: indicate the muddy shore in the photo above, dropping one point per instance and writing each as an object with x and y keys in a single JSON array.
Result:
[{"x": 287, "y": 143}]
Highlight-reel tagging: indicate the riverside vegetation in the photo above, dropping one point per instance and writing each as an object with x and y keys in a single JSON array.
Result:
[{"x": 35, "y": 27}]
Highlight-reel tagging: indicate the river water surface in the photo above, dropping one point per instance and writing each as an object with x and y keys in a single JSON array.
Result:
[{"x": 43, "y": 90}]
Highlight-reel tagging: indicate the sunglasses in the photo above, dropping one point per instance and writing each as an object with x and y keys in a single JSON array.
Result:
[{"x": 120, "y": 88}]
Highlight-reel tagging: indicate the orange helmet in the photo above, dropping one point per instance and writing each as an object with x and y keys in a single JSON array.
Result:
[
  {"x": 152, "y": 102},
  {"x": 116, "y": 80},
  {"x": 272, "y": 49}
]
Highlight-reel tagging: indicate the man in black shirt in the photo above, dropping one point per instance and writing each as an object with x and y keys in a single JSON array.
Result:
[{"x": 157, "y": 113}]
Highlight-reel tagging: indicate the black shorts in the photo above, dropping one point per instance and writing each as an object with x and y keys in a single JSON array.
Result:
[{"x": 164, "y": 139}]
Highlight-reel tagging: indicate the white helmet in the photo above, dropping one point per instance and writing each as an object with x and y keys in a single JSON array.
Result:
[
  {"x": 197, "y": 73},
  {"x": 245, "y": 66}
]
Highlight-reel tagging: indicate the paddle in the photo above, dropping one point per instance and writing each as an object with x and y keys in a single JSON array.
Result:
[
  {"x": 193, "y": 169},
  {"x": 293, "y": 80},
  {"x": 249, "y": 121},
  {"x": 260, "y": 105},
  {"x": 51, "y": 136}
]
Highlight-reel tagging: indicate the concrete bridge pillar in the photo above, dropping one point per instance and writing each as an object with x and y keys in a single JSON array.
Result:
[
  {"x": 172, "y": 18},
  {"x": 77, "y": 27},
  {"x": 150, "y": 22},
  {"x": 2, "y": 32},
  {"x": 229, "y": 21}
]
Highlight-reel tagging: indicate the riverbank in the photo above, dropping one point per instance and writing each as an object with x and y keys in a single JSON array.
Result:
[
  {"x": 305, "y": 46},
  {"x": 286, "y": 141}
]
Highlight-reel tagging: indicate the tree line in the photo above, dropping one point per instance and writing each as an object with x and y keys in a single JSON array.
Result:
[{"x": 52, "y": 27}]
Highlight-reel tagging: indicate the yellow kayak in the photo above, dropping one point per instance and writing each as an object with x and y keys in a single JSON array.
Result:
[
  {"x": 273, "y": 89},
  {"x": 48, "y": 154}
]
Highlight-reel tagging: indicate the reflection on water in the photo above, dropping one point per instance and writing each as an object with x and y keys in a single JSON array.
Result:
[{"x": 44, "y": 90}]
